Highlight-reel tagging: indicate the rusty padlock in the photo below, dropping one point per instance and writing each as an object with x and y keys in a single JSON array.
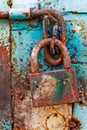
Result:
[{"x": 54, "y": 87}]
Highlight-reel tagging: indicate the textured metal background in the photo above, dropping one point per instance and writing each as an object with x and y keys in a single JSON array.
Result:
[{"x": 23, "y": 36}]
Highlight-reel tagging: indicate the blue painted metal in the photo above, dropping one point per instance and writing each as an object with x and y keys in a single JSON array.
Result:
[
  {"x": 26, "y": 34},
  {"x": 67, "y": 5},
  {"x": 24, "y": 37}
]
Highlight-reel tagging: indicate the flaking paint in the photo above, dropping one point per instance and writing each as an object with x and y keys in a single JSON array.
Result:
[{"x": 75, "y": 38}]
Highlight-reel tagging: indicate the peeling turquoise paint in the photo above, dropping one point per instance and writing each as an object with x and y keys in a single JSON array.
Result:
[
  {"x": 8, "y": 125},
  {"x": 26, "y": 34},
  {"x": 24, "y": 37}
]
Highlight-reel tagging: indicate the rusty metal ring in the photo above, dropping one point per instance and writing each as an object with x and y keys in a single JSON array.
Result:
[
  {"x": 50, "y": 60},
  {"x": 44, "y": 43}
]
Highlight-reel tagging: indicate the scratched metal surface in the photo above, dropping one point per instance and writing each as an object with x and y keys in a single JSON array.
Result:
[{"x": 24, "y": 36}]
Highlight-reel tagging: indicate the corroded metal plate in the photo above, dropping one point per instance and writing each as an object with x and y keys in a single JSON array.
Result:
[
  {"x": 53, "y": 88},
  {"x": 5, "y": 97}
]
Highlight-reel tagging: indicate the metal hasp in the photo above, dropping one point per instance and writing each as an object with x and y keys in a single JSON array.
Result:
[{"x": 55, "y": 87}]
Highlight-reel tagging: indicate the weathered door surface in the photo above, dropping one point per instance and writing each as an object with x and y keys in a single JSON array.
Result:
[{"x": 18, "y": 36}]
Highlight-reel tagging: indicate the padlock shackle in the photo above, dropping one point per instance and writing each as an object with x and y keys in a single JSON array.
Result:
[
  {"x": 55, "y": 14},
  {"x": 36, "y": 50}
]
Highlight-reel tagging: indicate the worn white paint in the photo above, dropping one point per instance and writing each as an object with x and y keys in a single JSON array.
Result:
[{"x": 25, "y": 3}]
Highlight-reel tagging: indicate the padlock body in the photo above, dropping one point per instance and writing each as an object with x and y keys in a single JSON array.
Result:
[{"x": 54, "y": 87}]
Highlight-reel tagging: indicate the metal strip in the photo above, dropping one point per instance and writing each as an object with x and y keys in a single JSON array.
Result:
[{"x": 5, "y": 98}]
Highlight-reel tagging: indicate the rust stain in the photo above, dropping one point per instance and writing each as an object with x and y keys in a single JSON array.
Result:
[
  {"x": 32, "y": 25},
  {"x": 12, "y": 92},
  {"x": 52, "y": 49},
  {"x": 83, "y": 92},
  {"x": 64, "y": 9},
  {"x": 27, "y": 117},
  {"x": 75, "y": 12},
  {"x": 56, "y": 121},
  {"x": 19, "y": 33},
  {"x": 14, "y": 46},
  {"x": 9, "y": 3},
  {"x": 74, "y": 124},
  {"x": 4, "y": 15},
  {"x": 20, "y": 92},
  {"x": 4, "y": 54},
  {"x": 41, "y": 83},
  {"x": 4, "y": 78},
  {"x": 83, "y": 32},
  {"x": 21, "y": 96}
]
